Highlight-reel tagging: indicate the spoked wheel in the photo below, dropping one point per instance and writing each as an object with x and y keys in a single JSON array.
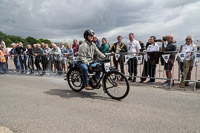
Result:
[
  {"x": 116, "y": 85},
  {"x": 74, "y": 80}
]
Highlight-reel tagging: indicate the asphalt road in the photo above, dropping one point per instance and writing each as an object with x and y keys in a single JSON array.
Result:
[{"x": 47, "y": 105}]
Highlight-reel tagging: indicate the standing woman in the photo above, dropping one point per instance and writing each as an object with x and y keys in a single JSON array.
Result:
[{"x": 187, "y": 64}]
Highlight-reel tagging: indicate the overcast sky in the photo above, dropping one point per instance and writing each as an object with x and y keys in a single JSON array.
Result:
[{"x": 65, "y": 20}]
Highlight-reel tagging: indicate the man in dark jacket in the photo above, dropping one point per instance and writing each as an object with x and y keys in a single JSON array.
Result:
[
  {"x": 15, "y": 58},
  {"x": 38, "y": 52},
  {"x": 169, "y": 49},
  {"x": 22, "y": 57},
  {"x": 119, "y": 47}
]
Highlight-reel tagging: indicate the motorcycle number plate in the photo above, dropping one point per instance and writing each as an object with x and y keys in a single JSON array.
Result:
[{"x": 107, "y": 67}]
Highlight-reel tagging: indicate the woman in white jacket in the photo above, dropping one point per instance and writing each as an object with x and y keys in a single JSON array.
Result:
[{"x": 186, "y": 65}]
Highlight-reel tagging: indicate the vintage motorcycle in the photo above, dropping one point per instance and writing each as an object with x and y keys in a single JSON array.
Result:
[{"x": 114, "y": 83}]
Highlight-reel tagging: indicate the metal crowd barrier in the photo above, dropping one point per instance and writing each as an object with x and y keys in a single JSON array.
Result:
[{"x": 160, "y": 74}]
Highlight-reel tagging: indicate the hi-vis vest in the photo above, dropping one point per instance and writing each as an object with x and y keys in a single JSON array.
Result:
[{"x": 2, "y": 57}]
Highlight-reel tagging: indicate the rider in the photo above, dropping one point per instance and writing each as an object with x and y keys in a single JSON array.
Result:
[{"x": 86, "y": 53}]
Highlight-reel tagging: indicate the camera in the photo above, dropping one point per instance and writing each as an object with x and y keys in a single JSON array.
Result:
[
  {"x": 164, "y": 38},
  {"x": 160, "y": 40},
  {"x": 157, "y": 40}
]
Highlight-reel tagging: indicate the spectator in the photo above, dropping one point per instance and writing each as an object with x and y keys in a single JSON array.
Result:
[
  {"x": 75, "y": 46},
  {"x": 2, "y": 61},
  {"x": 141, "y": 45},
  {"x": 3, "y": 43},
  {"x": 15, "y": 57},
  {"x": 80, "y": 42},
  {"x": 38, "y": 57},
  {"x": 56, "y": 53},
  {"x": 189, "y": 48},
  {"x": 119, "y": 47},
  {"x": 97, "y": 42},
  {"x": 47, "y": 52},
  {"x": 141, "y": 50},
  {"x": 22, "y": 57},
  {"x": 169, "y": 49},
  {"x": 52, "y": 61},
  {"x": 43, "y": 46},
  {"x": 133, "y": 48},
  {"x": 63, "y": 59},
  {"x": 68, "y": 54},
  {"x": 150, "y": 61},
  {"x": 104, "y": 47},
  {"x": 30, "y": 54},
  {"x": 5, "y": 51},
  {"x": 34, "y": 47},
  {"x": 145, "y": 71}
]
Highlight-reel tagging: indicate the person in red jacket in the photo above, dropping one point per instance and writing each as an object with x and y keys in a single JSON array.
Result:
[{"x": 75, "y": 46}]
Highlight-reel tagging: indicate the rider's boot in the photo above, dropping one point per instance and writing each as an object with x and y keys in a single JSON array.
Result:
[{"x": 88, "y": 87}]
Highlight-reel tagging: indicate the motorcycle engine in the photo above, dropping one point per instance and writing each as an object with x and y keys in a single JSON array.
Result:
[{"x": 93, "y": 82}]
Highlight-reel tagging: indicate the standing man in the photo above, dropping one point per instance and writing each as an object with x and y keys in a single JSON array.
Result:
[
  {"x": 97, "y": 42},
  {"x": 119, "y": 47},
  {"x": 171, "y": 47},
  {"x": 56, "y": 52},
  {"x": 38, "y": 53},
  {"x": 133, "y": 47}
]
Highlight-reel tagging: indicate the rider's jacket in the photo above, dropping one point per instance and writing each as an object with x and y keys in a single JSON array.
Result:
[{"x": 86, "y": 52}]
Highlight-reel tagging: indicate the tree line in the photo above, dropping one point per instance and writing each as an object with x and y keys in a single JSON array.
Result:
[{"x": 9, "y": 39}]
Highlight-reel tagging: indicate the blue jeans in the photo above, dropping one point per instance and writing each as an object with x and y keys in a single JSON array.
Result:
[
  {"x": 2, "y": 67},
  {"x": 84, "y": 69},
  {"x": 17, "y": 64}
]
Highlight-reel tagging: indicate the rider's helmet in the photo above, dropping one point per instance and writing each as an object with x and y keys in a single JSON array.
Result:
[{"x": 88, "y": 32}]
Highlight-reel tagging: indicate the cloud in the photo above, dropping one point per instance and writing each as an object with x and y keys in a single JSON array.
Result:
[{"x": 65, "y": 20}]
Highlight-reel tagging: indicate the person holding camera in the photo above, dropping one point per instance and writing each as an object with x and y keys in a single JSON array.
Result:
[
  {"x": 133, "y": 47},
  {"x": 169, "y": 49}
]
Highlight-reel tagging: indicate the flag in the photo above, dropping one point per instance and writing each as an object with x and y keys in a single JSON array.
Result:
[
  {"x": 166, "y": 57},
  {"x": 117, "y": 56},
  {"x": 181, "y": 56},
  {"x": 127, "y": 57}
]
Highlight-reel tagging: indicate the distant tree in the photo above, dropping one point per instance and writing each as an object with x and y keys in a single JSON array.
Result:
[
  {"x": 31, "y": 40},
  {"x": 44, "y": 40},
  {"x": 2, "y": 35},
  {"x": 15, "y": 39},
  {"x": 7, "y": 41}
]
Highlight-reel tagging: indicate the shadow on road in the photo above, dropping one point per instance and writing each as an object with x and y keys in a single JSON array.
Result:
[{"x": 71, "y": 94}]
